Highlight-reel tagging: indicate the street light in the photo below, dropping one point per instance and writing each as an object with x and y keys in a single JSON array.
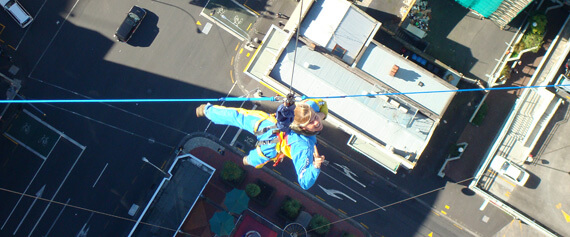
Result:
[{"x": 165, "y": 174}]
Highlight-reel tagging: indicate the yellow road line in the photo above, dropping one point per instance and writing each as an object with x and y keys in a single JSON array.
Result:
[
  {"x": 247, "y": 55},
  {"x": 163, "y": 164},
  {"x": 11, "y": 139},
  {"x": 248, "y": 26},
  {"x": 447, "y": 207},
  {"x": 232, "y": 76},
  {"x": 276, "y": 171},
  {"x": 459, "y": 227},
  {"x": 343, "y": 212},
  {"x": 237, "y": 46},
  {"x": 11, "y": 47},
  {"x": 251, "y": 10},
  {"x": 443, "y": 212},
  {"x": 241, "y": 51},
  {"x": 232, "y": 62},
  {"x": 434, "y": 212},
  {"x": 320, "y": 198},
  {"x": 251, "y": 60},
  {"x": 135, "y": 179},
  {"x": 365, "y": 226},
  {"x": 2, "y": 30},
  {"x": 271, "y": 88}
]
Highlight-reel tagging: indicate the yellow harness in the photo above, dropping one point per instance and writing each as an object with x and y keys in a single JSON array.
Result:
[{"x": 280, "y": 142}]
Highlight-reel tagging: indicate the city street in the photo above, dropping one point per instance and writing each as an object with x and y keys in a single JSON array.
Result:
[{"x": 89, "y": 172}]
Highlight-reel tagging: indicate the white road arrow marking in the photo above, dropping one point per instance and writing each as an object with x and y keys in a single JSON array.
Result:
[
  {"x": 333, "y": 193},
  {"x": 349, "y": 174},
  {"x": 38, "y": 195}
]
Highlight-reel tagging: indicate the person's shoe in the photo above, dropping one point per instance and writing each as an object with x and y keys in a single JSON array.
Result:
[{"x": 201, "y": 111}]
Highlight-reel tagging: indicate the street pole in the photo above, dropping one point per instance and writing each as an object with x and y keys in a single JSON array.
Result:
[{"x": 156, "y": 167}]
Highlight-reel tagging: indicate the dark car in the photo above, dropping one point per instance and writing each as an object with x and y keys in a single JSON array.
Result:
[{"x": 130, "y": 24}]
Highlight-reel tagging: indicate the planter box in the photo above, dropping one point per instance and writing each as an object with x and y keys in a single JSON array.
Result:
[
  {"x": 267, "y": 192},
  {"x": 283, "y": 215},
  {"x": 236, "y": 183}
]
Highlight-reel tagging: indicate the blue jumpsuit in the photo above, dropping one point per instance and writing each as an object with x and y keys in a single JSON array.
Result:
[{"x": 302, "y": 146}]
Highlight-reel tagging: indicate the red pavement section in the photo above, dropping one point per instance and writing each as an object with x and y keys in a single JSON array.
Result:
[
  {"x": 283, "y": 190},
  {"x": 250, "y": 224}
]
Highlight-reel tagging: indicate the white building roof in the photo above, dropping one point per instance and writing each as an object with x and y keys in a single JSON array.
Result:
[
  {"x": 390, "y": 120},
  {"x": 344, "y": 27},
  {"x": 377, "y": 61}
]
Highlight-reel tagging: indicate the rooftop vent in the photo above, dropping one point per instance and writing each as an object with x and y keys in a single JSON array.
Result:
[{"x": 394, "y": 70}]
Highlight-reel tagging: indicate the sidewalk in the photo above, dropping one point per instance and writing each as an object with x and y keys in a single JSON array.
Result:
[{"x": 207, "y": 149}]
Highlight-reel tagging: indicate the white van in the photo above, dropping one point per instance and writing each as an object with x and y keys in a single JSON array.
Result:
[{"x": 17, "y": 12}]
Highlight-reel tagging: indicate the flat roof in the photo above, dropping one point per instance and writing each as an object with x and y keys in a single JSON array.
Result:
[
  {"x": 176, "y": 198},
  {"x": 377, "y": 61},
  {"x": 390, "y": 120}
]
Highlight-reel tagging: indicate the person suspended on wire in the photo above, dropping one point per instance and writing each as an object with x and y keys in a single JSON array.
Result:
[{"x": 276, "y": 139}]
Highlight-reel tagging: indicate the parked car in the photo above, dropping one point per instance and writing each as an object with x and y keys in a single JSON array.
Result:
[
  {"x": 15, "y": 9},
  {"x": 130, "y": 24},
  {"x": 511, "y": 171}
]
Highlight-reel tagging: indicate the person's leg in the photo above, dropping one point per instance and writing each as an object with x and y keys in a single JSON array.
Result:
[{"x": 242, "y": 118}]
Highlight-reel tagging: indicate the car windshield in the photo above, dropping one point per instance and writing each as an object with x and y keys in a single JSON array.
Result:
[{"x": 134, "y": 17}]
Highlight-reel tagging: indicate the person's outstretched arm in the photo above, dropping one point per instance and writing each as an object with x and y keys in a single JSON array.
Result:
[{"x": 307, "y": 163}]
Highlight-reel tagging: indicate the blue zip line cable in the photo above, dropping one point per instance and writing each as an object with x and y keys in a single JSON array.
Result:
[{"x": 277, "y": 98}]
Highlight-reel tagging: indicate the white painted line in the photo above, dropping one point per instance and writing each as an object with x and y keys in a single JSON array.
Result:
[
  {"x": 207, "y": 28},
  {"x": 55, "y": 221},
  {"x": 21, "y": 196},
  {"x": 109, "y": 105},
  {"x": 353, "y": 191},
  {"x": 26, "y": 146},
  {"x": 35, "y": 17},
  {"x": 38, "y": 195},
  {"x": 54, "y": 129},
  {"x": 100, "y": 175},
  {"x": 57, "y": 191},
  {"x": 108, "y": 125},
  {"x": 53, "y": 38}
]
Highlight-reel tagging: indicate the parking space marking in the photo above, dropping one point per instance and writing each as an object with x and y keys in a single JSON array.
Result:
[
  {"x": 100, "y": 175},
  {"x": 53, "y": 37}
]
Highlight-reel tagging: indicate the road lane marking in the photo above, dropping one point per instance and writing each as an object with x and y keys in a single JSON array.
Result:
[
  {"x": 459, "y": 227},
  {"x": 53, "y": 38},
  {"x": 347, "y": 172},
  {"x": 446, "y": 207},
  {"x": 362, "y": 196},
  {"x": 430, "y": 234},
  {"x": 320, "y": 198},
  {"x": 57, "y": 218},
  {"x": 237, "y": 46},
  {"x": 241, "y": 51},
  {"x": 247, "y": 55},
  {"x": 38, "y": 195},
  {"x": 232, "y": 76},
  {"x": 58, "y": 188},
  {"x": 274, "y": 170},
  {"x": 198, "y": 23},
  {"x": 232, "y": 62},
  {"x": 434, "y": 212},
  {"x": 21, "y": 196},
  {"x": 340, "y": 210},
  {"x": 365, "y": 226},
  {"x": 249, "y": 25},
  {"x": 100, "y": 175},
  {"x": 334, "y": 192},
  {"x": 443, "y": 212}
]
